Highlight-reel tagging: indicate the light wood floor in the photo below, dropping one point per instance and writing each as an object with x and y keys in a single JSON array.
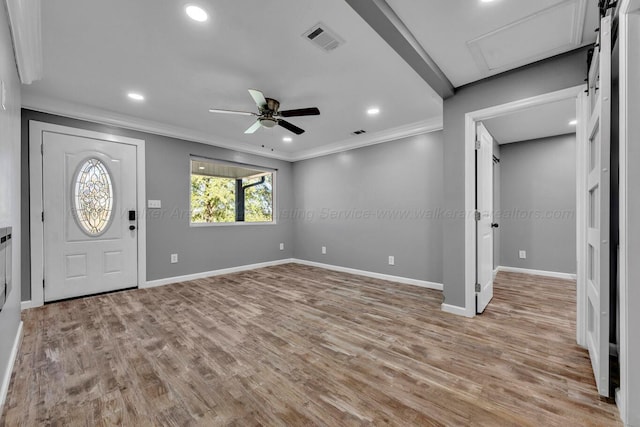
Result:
[{"x": 296, "y": 345}]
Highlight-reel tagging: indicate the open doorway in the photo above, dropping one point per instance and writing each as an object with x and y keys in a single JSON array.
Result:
[
  {"x": 535, "y": 195},
  {"x": 526, "y": 206},
  {"x": 568, "y": 97}
]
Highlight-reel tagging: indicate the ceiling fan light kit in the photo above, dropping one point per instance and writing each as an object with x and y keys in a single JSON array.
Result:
[{"x": 269, "y": 114}]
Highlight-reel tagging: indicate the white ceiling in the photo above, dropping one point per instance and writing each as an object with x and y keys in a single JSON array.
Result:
[
  {"x": 533, "y": 123},
  {"x": 471, "y": 39},
  {"x": 95, "y": 52}
]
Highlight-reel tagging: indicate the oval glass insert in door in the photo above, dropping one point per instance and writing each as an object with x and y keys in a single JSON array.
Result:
[{"x": 92, "y": 191}]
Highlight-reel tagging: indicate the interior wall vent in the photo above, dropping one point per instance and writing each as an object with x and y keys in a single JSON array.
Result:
[
  {"x": 323, "y": 37},
  {"x": 359, "y": 132}
]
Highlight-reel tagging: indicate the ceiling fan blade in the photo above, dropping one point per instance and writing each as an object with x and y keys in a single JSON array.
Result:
[
  {"x": 288, "y": 126},
  {"x": 254, "y": 127},
  {"x": 313, "y": 111},
  {"x": 243, "y": 113},
  {"x": 258, "y": 97}
]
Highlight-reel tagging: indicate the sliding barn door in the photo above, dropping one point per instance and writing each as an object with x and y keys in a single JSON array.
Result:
[{"x": 598, "y": 179}]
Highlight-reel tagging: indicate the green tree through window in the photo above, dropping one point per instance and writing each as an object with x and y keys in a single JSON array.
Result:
[{"x": 216, "y": 188}]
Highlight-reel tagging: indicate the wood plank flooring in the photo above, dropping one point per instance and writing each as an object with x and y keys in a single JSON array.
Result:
[{"x": 297, "y": 345}]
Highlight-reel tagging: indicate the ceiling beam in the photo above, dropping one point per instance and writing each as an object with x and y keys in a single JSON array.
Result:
[{"x": 379, "y": 15}]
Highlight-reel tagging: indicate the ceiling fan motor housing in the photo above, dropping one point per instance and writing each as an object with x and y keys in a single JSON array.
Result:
[{"x": 268, "y": 122}]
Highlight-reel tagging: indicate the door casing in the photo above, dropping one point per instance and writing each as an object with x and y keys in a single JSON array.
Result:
[
  {"x": 471, "y": 120},
  {"x": 36, "y": 130}
]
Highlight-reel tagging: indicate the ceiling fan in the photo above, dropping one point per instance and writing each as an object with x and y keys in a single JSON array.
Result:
[{"x": 269, "y": 114}]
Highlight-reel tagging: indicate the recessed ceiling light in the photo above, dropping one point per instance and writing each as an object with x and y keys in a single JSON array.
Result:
[
  {"x": 201, "y": 168},
  {"x": 573, "y": 122},
  {"x": 486, "y": 1},
  {"x": 196, "y": 13},
  {"x": 373, "y": 111},
  {"x": 135, "y": 96},
  {"x": 287, "y": 139}
]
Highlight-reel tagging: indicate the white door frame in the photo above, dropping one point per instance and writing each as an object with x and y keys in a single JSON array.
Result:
[
  {"x": 628, "y": 395},
  {"x": 471, "y": 118},
  {"x": 36, "y": 130}
]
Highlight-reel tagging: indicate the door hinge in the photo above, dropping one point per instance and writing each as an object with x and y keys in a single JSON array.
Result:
[
  {"x": 477, "y": 144},
  {"x": 41, "y": 148},
  {"x": 42, "y": 216},
  {"x": 478, "y": 289},
  {"x": 43, "y": 283},
  {"x": 477, "y": 215}
]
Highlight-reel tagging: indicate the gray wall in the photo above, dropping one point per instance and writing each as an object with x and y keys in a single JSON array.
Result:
[
  {"x": 199, "y": 248},
  {"x": 394, "y": 190},
  {"x": 538, "y": 194},
  {"x": 557, "y": 73},
  {"x": 9, "y": 190}
]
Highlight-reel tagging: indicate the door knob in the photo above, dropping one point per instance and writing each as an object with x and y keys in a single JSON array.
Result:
[
  {"x": 495, "y": 225},
  {"x": 132, "y": 227}
]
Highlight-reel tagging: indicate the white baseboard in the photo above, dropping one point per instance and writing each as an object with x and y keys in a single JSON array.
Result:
[
  {"x": 398, "y": 279},
  {"x": 620, "y": 405},
  {"x": 202, "y": 275},
  {"x": 454, "y": 309},
  {"x": 4, "y": 387},
  {"x": 25, "y": 305},
  {"x": 557, "y": 275}
]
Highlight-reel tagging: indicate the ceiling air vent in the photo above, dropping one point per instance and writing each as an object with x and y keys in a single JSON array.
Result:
[
  {"x": 359, "y": 132},
  {"x": 323, "y": 37}
]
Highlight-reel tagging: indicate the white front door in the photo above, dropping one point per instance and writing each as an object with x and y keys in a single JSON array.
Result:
[
  {"x": 598, "y": 180},
  {"x": 90, "y": 240},
  {"x": 484, "y": 228}
]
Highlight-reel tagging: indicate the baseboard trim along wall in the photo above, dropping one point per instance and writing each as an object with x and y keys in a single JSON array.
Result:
[
  {"x": 4, "y": 387},
  {"x": 454, "y": 309},
  {"x": 24, "y": 305},
  {"x": 557, "y": 275},
  {"x": 220, "y": 272},
  {"x": 398, "y": 279}
]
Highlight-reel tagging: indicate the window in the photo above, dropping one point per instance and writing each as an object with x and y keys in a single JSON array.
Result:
[
  {"x": 93, "y": 197},
  {"x": 224, "y": 192}
]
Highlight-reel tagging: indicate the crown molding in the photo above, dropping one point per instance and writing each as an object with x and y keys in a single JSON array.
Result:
[
  {"x": 105, "y": 117},
  {"x": 25, "y": 23},
  {"x": 405, "y": 131}
]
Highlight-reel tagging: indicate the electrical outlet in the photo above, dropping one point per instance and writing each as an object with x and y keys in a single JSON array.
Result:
[
  {"x": 324, "y": 250},
  {"x": 154, "y": 204},
  {"x": 392, "y": 260},
  {"x": 523, "y": 254},
  {"x": 174, "y": 258},
  {"x": 282, "y": 246}
]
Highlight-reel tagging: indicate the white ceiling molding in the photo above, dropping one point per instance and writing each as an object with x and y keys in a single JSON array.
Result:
[
  {"x": 26, "y": 31},
  {"x": 418, "y": 128},
  {"x": 97, "y": 115},
  {"x": 522, "y": 42}
]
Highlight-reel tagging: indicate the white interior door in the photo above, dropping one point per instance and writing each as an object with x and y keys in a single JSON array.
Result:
[
  {"x": 90, "y": 241},
  {"x": 484, "y": 229},
  {"x": 598, "y": 179}
]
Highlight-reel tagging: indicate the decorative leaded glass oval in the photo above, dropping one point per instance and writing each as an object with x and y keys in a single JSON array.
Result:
[{"x": 93, "y": 197}]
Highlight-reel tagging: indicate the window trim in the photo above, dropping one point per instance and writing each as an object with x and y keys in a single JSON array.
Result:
[{"x": 274, "y": 178}]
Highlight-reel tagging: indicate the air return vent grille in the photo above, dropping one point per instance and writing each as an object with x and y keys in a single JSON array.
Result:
[{"x": 323, "y": 37}]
